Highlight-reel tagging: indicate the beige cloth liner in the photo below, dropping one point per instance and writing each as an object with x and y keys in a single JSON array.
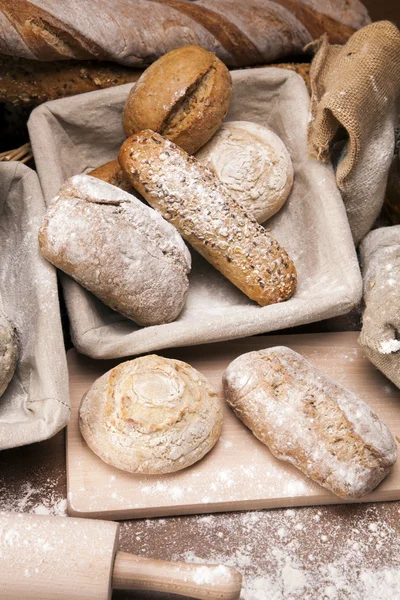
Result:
[
  {"x": 380, "y": 334},
  {"x": 72, "y": 135},
  {"x": 36, "y": 404},
  {"x": 358, "y": 86}
]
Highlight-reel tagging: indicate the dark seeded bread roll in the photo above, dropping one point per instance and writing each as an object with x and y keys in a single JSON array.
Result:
[
  {"x": 191, "y": 197},
  {"x": 307, "y": 419}
]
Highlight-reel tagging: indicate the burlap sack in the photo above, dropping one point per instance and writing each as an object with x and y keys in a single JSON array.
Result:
[
  {"x": 357, "y": 87},
  {"x": 71, "y": 135},
  {"x": 35, "y": 405},
  {"x": 380, "y": 334}
]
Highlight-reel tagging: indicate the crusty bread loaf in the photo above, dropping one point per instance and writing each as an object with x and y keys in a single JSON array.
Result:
[
  {"x": 112, "y": 173},
  {"x": 307, "y": 419},
  {"x": 8, "y": 353},
  {"x": 151, "y": 415},
  {"x": 253, "y": 164},
  {"x": 31, "y": 82},
  {"x": 241, "y": 33},
  {"x": 191, "y": 197},
  {"x": 118, "y": 248},
  {"x": 184, "y": 96}
]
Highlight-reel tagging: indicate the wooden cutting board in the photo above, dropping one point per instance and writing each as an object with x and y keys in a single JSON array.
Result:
[{"x": 239, "y": 473}]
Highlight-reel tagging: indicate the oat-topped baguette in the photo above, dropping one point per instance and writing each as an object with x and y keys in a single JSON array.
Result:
[
  {"x": 307, "y": 419},
  {"x": 191, "y": 197},
  {"x": 118, "y": 248}
]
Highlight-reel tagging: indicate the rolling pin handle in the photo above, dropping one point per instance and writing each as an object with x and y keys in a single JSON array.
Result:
[{"x": 205, "y": 582}]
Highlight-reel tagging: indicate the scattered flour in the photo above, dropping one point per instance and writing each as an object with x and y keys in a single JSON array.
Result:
[{"x": 45, "y": 500}]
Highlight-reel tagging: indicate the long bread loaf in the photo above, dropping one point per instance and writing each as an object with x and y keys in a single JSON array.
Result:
[
  {"x": 307, "y": 419},
  {"x": 191, "y": 197}
]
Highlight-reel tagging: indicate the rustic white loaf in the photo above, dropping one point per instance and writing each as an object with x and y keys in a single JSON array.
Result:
[
  {"x": 253, "y": 164},
  {"x": 307, "y": 419},
  {"x": 151, "y": 415},
  {"x": 118, "y": 248}
]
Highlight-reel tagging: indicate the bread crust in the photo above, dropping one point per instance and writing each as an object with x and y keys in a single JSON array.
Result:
[
  {"x": 253, "y": 164},
  {"x": 191, "y": 197},
  {"x": 112, "y": 173},
  {"x": 8, "y": 353},
  {"x": 307, "y": 419},
  {"x": 151, "y": 415},
  {"x": 184, "y": 96},
  {"x": 117, "y": 248}
]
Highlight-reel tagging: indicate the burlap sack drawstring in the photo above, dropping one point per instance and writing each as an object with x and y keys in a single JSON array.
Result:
[
  {"x": 357, "y": 87},
  {"x": 380, "y": 334}
]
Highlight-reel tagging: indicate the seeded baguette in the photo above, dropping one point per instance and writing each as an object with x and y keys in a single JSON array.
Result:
[
  {"x": 191, "y": 197},
  {"x": 307, "y": 419}
]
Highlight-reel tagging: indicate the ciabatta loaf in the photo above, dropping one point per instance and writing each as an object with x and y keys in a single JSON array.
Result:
[
  {"x": 307, "y": 419},
  {"x": 118, "y": 248},
  {"x": 191, "y": 197}
]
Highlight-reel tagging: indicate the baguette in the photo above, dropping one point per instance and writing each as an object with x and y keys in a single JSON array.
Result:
[
  {"x": 123, "y": 31},
  {"x": 191, "y": 197},
  {"x": 307, "y": 419}
]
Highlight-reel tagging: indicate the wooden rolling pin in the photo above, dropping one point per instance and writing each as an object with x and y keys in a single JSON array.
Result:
[{"x": 56, "y": 558}]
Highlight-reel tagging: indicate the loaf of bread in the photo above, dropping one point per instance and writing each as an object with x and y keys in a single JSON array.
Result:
[
  {"x": 184, "y": 96},
  {"x": 191, "y": 197},
  {"x": 253, "y": 164},
  {"x": 241, "y": 33},
  {"x": 31, "y": 82},
  {"x": 118, "y": 248},
  {"x": 151, "y": 415},
  {"x": 8, "y": 353},
  {"x": 112, "y": 173},
  {"x": 307, "y": 419}
]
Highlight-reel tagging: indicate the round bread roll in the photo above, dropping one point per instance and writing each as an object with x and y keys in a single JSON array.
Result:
[
  {"x": 8, "y": 353},
  {"x": 184, "y": 96},
  {"x": 151, "y": 415},
  {"x": 254, "y": 165}
]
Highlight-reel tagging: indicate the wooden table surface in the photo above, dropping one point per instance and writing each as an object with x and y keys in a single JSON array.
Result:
[{"x": 332, "y": 552}]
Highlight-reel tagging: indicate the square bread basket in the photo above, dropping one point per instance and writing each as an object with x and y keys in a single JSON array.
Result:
[{"x": 74, "y": 134}]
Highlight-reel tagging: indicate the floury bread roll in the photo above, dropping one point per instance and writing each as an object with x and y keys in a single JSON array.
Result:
[
  {"x": 191, "y": 197},
  {"x": 184, "y": 96},
  {"x": 253, "y": 164},
  {"x": 8, "y": 353},
  {"x": 307, "y": 419},
  {"x": 118, "y": 248},
  {"x": 151, "y": 415}
]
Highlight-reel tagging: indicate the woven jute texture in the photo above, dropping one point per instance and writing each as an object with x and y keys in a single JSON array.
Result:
[
  {"x": 357, "y": 87},
  {"x": 380, "y": 334}
]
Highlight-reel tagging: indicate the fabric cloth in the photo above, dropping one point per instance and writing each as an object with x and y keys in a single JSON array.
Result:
[
  {"x": 380, "y": 334},
  {"x": 35, "y": 404},
  {"x": 357, "y": 87},
  {"x": 72, "y": 135}
]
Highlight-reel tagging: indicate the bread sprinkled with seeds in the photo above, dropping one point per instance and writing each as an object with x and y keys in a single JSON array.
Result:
[{"x": 191, "y": 197}]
